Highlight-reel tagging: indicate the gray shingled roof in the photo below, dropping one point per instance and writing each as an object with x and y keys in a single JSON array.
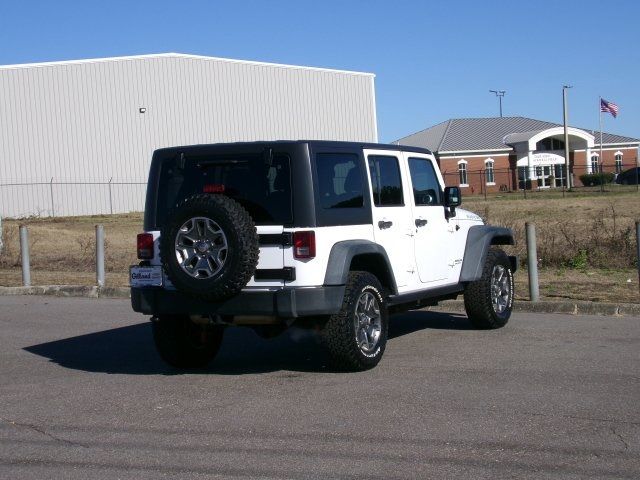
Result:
[{"x": 468, "y": 134}]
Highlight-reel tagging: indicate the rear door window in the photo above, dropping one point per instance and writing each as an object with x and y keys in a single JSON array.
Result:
[{"x": 386, "y": 182}]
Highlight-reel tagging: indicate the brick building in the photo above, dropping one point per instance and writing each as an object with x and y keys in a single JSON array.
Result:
[{"x": 511, "y": 153}]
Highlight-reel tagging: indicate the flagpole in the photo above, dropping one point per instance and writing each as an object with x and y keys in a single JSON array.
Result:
[{"x": 600, "y": 110}]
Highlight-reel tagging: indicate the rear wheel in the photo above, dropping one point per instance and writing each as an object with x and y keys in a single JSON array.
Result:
[
  {"x": 489, "y": 300},
  {"x": 185, "y": 344},
  {"x": 356, "y": 336}
]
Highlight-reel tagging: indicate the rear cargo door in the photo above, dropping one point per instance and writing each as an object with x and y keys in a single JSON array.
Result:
[{"x": 258, "y": 178}]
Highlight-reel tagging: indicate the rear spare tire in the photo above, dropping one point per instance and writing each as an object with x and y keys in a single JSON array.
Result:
[{"x": 209, "y": 247}]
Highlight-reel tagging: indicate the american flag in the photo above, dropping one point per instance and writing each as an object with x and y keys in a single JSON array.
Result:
[{"x": 610, "y": 107}]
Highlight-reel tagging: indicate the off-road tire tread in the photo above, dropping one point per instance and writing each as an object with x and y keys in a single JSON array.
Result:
[
  {"x": 170, "y": 338},
  {"x": 477, "y": 295},
  {"x": 338, "y": 335},
  {"x": 247, "y": 250}
]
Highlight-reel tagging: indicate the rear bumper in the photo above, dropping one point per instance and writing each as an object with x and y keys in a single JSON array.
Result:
[{"x": 284, "y": 303}]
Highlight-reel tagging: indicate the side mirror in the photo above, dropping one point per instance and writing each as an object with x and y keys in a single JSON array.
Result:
[{"x": 452, "y": 199}]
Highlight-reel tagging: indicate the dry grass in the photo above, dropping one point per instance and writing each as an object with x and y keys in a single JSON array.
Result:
[
  {"x": 68, "y": 244},
  {"x": 586, "y": 245},
  {"x": 593, "y": 231}
]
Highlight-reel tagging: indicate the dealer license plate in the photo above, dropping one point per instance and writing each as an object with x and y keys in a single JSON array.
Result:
[{"x": 145, "y": 276}]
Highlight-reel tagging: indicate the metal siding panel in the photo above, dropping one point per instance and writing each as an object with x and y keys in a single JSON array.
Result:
[{"x": 79, "y": 122}]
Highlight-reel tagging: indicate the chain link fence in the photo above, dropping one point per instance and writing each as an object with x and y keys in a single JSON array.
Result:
[
  {"x": 546, "y": 178},
  {"x": 57, "y": 198}
]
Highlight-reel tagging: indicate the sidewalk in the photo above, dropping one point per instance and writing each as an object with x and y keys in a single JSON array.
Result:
[{"x": 574, "y": 307}]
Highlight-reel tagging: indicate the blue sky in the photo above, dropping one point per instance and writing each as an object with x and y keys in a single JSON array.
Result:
[{"x": 433, "y": 60}]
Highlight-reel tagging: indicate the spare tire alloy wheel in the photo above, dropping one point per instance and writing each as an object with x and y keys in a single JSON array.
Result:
[
  {"x": 209, "y": 247},
  {"x": 201, "y": 247}
]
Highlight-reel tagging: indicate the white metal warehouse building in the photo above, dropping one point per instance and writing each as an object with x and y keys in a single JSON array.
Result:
[{"x": 76, "y": 137}]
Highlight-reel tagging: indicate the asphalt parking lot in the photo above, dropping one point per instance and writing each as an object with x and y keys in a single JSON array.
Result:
[{"x": 84, "y": 395}]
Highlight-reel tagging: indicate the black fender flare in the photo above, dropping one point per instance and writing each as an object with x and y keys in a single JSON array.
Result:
[
  {"x": 341, "y": 255},
  {"x": 479, "y": 239}
]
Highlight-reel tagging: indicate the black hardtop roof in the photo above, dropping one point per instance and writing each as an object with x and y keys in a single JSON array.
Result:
[{"x": 201, "y": 148}]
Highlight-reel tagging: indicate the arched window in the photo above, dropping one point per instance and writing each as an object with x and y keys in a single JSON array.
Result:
[
  {"x": 488, "y": 170},
  {"x": 619, "y": 166},
  {"x": 462, "y": 171},
  {"x": 547, "y": 144},
  {"x": 594, "y": 163}
]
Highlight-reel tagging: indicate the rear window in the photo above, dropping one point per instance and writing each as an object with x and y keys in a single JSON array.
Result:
[{"x": 261, "y": 185}]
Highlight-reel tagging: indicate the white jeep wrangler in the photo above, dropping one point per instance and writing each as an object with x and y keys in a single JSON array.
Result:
[{"x": 332, "y": 235}]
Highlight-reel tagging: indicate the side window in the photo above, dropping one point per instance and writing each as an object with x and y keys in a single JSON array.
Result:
[
  {"x": 462, "y": 173},
  {"x": 426, "y": 189},
  {"x": 339, "y": 180},
  {"x": 618, "y": 158},
  {"x": 385, "y": 181},
  {"x": 490, "y": 178}
]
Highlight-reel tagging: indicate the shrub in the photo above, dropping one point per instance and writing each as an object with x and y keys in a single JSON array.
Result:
[{"x": 593, "y": 179}]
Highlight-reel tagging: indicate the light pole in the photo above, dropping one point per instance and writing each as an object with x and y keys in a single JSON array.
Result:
[
  {"x": 499, "y": 94},
  {"x": 565, "y": 117}
]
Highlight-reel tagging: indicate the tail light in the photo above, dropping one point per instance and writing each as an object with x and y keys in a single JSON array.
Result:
[
  {"x": 304, "y": 244},
  {"x": 145, "y": 246}
]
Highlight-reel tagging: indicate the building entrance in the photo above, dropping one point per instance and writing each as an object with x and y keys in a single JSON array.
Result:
[
  {"x": 542, "y": 170},
  {"x": 550, "y": 176},
  {"x": 544, "y": 177}
]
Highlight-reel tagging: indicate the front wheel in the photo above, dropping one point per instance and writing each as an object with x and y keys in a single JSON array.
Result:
[
  {"x": 357, "y": 335},
  {"x": 185, "y": 344},
  {"x": 489, "y": 300}
]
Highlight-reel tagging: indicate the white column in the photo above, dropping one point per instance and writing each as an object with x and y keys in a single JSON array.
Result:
[
  {"x": 529, "y": 168},
  {"x": 588, "y": 154}
]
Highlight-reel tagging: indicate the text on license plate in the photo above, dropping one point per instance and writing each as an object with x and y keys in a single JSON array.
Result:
[{"x": 145, "y": 276}]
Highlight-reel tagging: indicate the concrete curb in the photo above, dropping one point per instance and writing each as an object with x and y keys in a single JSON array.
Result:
[
  {"x": 573, "y": 307},
  {"x": 69, "y": 291}
]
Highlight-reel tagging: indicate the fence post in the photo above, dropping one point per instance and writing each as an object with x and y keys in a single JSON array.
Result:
[
  {"x": 532, "y": 262},
  {"x": 638, "y": 250},
  {"x": 110, "y": 199},
  {"x": 53, "y": 210},
  {"x": 24, "y": 254},
  {"x": 483, "y": 179},
  {"x": 100, "y": 255}
]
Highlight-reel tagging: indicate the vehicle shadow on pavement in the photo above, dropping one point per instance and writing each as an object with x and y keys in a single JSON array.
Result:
[
  {"x": 406, "y": 323},
  {"x": 130, "y": 350}
]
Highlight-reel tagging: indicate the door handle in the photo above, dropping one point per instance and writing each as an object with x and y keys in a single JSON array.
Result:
[
  {"x": 384, "y": 224},
  {"x": 421, "y": 222}
]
